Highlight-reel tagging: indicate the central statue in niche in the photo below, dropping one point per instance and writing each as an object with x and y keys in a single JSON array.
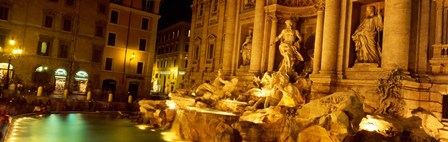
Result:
[
  {"x": 246, "y": 48},
  {"x": 365, "y": 37},
  {"x": 289, "y": 46}
]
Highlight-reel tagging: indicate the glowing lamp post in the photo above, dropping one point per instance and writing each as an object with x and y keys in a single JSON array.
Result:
[{"x": 15, "y": 52}]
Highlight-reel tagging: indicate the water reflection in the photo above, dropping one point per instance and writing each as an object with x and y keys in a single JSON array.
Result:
[{"x": 80, "y": 128}]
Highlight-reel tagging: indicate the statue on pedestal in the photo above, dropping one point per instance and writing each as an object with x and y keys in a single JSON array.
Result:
[
  {"x": 246, "y": 48},
  {"x": 289, "y": 46},
  {"x": 365, "y": 37}
]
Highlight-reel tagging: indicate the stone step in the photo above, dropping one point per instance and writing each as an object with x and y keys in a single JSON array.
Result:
[
  {"x": 445, "y": 123},
  {"x": 444, "y": 119},
  {"x": 443, "y": 134}
]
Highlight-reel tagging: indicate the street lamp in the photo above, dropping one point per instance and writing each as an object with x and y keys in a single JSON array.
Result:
[
  {"x": 132, "y": 57},
  {"x": 15, "y": 52}
]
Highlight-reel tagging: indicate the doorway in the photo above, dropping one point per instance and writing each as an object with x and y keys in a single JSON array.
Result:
[
  {"x": 445, "y": 106},
  {"x": 109, "y": 86},
  {"x": 133, "y": 89}
]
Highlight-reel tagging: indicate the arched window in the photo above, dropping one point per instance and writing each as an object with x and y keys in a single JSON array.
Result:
[
  {"x": 81, "y": 80},
  {"x": 60, "y": 76},
  {"x": 41, "y": 75},
  {"x": 4, "y": 70}
]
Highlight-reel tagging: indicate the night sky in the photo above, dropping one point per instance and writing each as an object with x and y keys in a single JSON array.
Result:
[{"x": 173, "y": 11}]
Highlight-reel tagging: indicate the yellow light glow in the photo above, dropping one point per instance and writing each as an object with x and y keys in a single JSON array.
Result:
[
  {"x": 17, "y": 51},
  {"x": 171, "y": 104},
  {"x": 12, "y": 42},
  {"x": 170, "y": 136},
  {"x": 371, "y": 127},
  {"x": 142, "y": 127},
  {"x": 372, "y": 124}
]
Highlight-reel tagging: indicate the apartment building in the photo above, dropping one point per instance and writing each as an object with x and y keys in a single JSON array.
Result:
[
  {"x": 128, "y": 55},
  {"x": 171, "y": 58},
  {"x": 61, "y": 48}
]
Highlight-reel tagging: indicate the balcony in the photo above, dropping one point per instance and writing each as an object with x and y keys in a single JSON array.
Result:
[{"x": 439, "y": 60}]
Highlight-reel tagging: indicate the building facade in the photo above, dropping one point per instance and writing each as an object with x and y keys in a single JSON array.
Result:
[
  {"x": 130, "y": 44},
  {"x": 410, "y": 36},
  {"x": 60, "y": 48},
  {"x": 171, "y": 58}
]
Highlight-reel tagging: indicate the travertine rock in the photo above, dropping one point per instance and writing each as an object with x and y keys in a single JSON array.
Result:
[{"x": 314, "y": 133}]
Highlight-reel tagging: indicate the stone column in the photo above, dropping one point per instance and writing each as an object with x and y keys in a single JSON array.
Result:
[
  {"x": 397, "y": 30},
  {"x": 422, "y": 55},
  {"x": 439, "y": 18},
  {"x": 230, "y": 36},
  {"x": 331, "y": 36},
  {"x": 318, "y": 41},
  {"x": 271, "y": 56},
  {"x": 257, "y": 41}
]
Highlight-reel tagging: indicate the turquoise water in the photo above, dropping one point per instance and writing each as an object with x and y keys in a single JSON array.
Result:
[{"x": 80, "y": 128}]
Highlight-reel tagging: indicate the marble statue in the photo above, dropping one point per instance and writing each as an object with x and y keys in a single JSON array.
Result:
[
  {"x": 291, "y": 96},
  {"x": 365, "y": 37},
  {"x": 249, "y": 3},
  {"x": 246, "y": 48},
  {"x": 289, "y": 46},
  {"x": 219, "y": 89}
]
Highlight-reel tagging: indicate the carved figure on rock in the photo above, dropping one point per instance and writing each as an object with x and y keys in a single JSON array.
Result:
[
  {"x": 289, "y": 46},
  {"x": 291, "y": 96},
  {"x": 249, "y": 3},
  {"x": 216, "y": 91},
  {"x": 263, "y": 94},
  {"x": 389, "y": 89},
  {"x": 246, "y": 48},
  {"x": 365, "y": 37}
]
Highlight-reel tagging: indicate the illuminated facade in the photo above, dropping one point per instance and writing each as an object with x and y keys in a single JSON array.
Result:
[
  {"x": 412, "y": 37},
  {"x": 171, "y": 58},
  {"x": 60, "y": 47},
  {"x": 128, "y": 54}
]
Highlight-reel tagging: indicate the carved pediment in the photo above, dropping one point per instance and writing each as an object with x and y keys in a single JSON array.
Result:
[
  {"x": 50, "y": 12},
  {"x": 297, "y": 3}
]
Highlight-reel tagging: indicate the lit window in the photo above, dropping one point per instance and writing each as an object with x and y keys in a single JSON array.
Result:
[{"x": 43, "y": 48}]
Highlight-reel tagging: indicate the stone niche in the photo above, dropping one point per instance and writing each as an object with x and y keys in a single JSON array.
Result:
[
  {"x": 304, "y": 18},
  {"x": 244, "y": 32},
  {"x": 358, "y": 14}
]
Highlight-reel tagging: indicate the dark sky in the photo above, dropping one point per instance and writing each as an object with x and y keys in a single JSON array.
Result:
[{"x": 173, "y": 11}]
